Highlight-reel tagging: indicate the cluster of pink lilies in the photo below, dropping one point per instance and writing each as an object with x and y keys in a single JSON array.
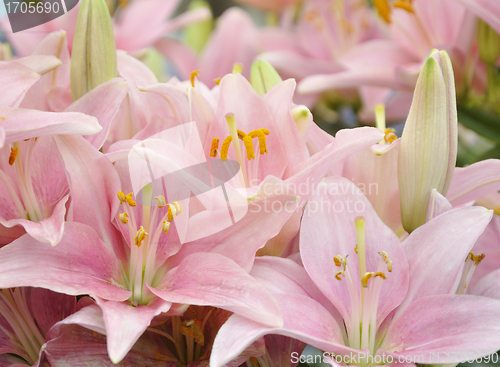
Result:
[{"x": 374, "y": 249}]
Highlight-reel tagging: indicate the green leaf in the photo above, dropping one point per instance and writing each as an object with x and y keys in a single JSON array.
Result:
[{"x": 482, "y": 122}]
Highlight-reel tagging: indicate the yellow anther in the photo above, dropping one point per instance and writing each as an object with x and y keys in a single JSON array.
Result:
[
  {"x": 166, "y": 226},
  {"x": 404, "y": 5},
  {"x": 241, "y": 134},
  {"x": 314, "y": 17},
  {"x": 2, "y": 118},
  {"x": 192, "y": 328},
  {"x": 161, "y": 201},
  {"x": 225, "y": 147},
  {"x": 387, "y": 260},
  {"x": 129, "y": 200},
  {"x": 356, "y": 248},
  {"x": 367, "y": 276},
  {"x": 13, "y": 155},
  {"x": 390, "y": 135},
  {"x": 261, "y": 135},
  {"x": 476, "y": 258},
  {"x": 178, "y": 207},
  {"x": 194, "y": 74},
  {"x": 123, "y": 218},
  {"x": 383, "y": 9},
  {"x": 247, "y": 140},
  {"x": 139, "y": 236},
  {"x": 215, "y": 147},
  {"x": 125, "y": 198},
  {"x": 121, "y": 197},
  {"x": 338, "y": 274},
  {"x": 170, "y": 216},
  {"x": 217, "y": 81},
  {"x": 340, "y": 261}
]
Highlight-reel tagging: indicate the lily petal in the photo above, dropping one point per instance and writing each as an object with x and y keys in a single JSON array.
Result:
[
  {"x": 20, "y": 124},
  {"x": 125, "y": 323},
  {"x": 335, "y": 213},
  {"x": 449, "y": 239},
  {"x": 448, "y": 325},
  {"x": 16, "y": 80},
  {"x": 101, "y": 102},
  {"x": 305, "y": 319},
  {"x": 209, "y": 279},
  {"x": 49, "y": 230},
  {"x": 80, "y": 264},
  {"x": 475, "y": 181}
]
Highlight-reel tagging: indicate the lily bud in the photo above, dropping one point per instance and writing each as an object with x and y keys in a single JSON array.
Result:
[
  {"x": 196, "y": 34},
  {"x": 428, "y": 149},
  {"x": 263, "y": 76},
  {"x": 93, "y": 59},
  {"x": 489, "y": 43}
]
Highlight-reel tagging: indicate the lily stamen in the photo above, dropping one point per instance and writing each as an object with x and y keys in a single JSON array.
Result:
[
  {"x": 406, "y": 5},
  {"x": 161, "y": 201},
  {"x": 215, "y": 147},
  {"x": 123, "y": 218},
  {"x": 13, "y": 155},
  {"x": 471, "y": 262},
  {"x": 225, "y": 148},
  {"x": 193, "y": 76},
  {"x": 367, "y": 276},
  {"x": 387, "y": 260},
  {"x": 139, "y": 236}
]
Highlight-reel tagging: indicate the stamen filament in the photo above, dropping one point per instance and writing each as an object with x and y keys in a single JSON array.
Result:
[{"x": 231, "y": 123}]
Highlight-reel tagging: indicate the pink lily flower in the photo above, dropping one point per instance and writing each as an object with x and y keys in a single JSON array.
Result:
[
  {"x": 107, "y": 263},
  {"x": 485, "y": 269},
  {"x": 324, "y": 42},
  {"x": 20, "y": 75},
  {"x": 137, "y": 26},
  {"x": 186, "y": 339},
  {"x": 238, "y": 47},
  {"x": 26, "y": 318},
  {"x": 380, "y": 299},
  {"x": 414, "y": 33},
  {"x": 487, "y": 10},
  {"x": 234, "y": 107},
  {"x": 34, "y": 188},
  {"x": 52, "y": 92}
]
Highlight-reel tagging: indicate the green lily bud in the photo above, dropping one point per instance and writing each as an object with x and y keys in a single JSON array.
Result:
[
  {"x": 263, "y": 76},
  {"x": 428, "y": 151},
  {"x": 93, "y": 59},
  {"x": 489, "y": 43},
  {"x": 196, "y": 34}
]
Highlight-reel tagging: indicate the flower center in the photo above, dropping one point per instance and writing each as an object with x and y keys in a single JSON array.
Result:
[
  {"x": 26, "y": 203},
  {"x": 24, "y": 334},
  {"x": 144, "y": 239},
  {"x": 187, "y": 335},
  {"x": 365, "y": 294},
  {"x": 249, "y": 169}
]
